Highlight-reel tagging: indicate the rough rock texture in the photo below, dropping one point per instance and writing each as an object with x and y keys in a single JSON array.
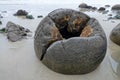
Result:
[
  {"x": 116, "y": 7},
  {"x": 21, "y": 13},
  {"x": 101, "y": 9},
  {"x": 70, "y": 42},
  {"x": 15, "y": 32},
  {"x": 115, "y": 35}
]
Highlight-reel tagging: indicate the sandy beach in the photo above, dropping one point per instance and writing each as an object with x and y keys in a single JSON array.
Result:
[{"x": 19, "y": 62}]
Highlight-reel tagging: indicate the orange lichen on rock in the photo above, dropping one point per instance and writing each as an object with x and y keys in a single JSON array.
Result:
[
  {"x": 86, "y": 31},
  {"x": 55, "y": 35},
  {"x": 76, "y": 25},
  {"x": 65, "y": 18},
  {"x": 77, "y": 21}
]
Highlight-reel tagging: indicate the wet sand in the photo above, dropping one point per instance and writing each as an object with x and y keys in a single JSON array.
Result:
[{"x": 19, "y": 62}]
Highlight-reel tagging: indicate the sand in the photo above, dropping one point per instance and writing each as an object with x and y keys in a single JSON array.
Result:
[{"x": 19, "y": 62}]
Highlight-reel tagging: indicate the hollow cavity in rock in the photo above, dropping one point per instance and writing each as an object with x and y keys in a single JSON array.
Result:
[
  {"x": 72, "y": 27},
  {"x": 67, "y": 28}
]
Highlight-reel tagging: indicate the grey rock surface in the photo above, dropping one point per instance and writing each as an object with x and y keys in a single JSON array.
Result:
[
  {"x": 76, "y": 54},
  {"x": 21, "y": 13},
  {"x": 115, "y": 35},
  {"x": 101, "y": 9},
  {"x": 83, "y": 5},
  {"x": 0, "y": 22},
  {"x": 15, "y": 32},
  {"x": 116, "y": 7}
]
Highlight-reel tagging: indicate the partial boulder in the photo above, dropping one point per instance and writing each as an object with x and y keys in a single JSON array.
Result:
[
  {"x": 115, "y": 35},
  {"x": 70, "y": 42},
  {"x": 110, "y": 15},
  {"x": 107, "y": 5},
  {"x": 39, "y": 16},
  {"x": 101, "y": 9},
  {"x": 29, "y": 17},
  {"x": 15, "y": 32},
  {"x": 0, "y": 22},
  {"x": 116, "y": 7},
  {"x": 21, "y": 13},
  {"x": 94, "y": 8},
  {"x": 117, "y": 16},
  {"x": 83, "y": 5},
  {"x": 2, "y": 30}
]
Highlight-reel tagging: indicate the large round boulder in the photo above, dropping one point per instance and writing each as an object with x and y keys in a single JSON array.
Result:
[
  {"x": 115, "y": 35},
  {"x": 70, "y": 42},
  {"x": 116, "y": 7}
]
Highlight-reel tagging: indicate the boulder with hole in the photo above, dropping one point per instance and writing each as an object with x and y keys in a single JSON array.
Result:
[{"x": 70, "y": 42}]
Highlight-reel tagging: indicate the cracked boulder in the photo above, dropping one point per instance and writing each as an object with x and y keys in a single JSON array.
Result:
[
  {"x": 70, "y": 42},
  {"x": 115, "y": 35},
  {"x": 15, "y": 32}
]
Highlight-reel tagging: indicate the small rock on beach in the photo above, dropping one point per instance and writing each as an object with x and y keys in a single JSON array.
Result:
[
  {"x": 40, "y": 16},
  {"x": 101, "y": 9},
  {"x": 21, "y": 13},
  {"x": 29, "y": 17},
  {"x": 14, "y": 32}
]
